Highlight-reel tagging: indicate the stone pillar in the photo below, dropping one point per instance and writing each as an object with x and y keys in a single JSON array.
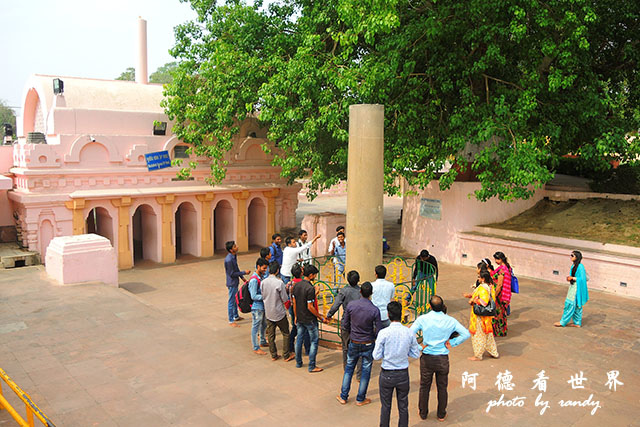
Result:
[
  {"x": 77, "y": 209},
  {"x": 271, "y": 211},
  {"x": 125, "y": 258},
  {"x": 242, "y": 240},
  {"x": 206, "y": 241},
  {"x": 168, "y": 248},
  {"x": 365, "y": 175}
]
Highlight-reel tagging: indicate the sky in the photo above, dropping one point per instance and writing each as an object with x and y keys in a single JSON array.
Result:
[{"x": 81, "y": 38}]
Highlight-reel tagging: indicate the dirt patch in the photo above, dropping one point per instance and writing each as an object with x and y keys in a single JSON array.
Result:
[{"x": 599, "y": 220}]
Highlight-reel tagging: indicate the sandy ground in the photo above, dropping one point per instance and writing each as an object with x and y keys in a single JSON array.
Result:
[{"x": 599, "y": 220}]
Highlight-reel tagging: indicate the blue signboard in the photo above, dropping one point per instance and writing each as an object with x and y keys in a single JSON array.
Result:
[{"x": 158, "y": 160}]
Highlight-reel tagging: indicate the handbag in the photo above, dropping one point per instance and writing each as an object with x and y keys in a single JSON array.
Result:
[
  {"x": 515, "y": 286},
  {"x": 485, "y": 310}
]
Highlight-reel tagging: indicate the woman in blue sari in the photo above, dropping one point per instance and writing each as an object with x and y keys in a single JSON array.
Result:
[{"x": 577, "y": 295}]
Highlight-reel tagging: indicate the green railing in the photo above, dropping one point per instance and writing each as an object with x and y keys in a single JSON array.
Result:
[{"x": 413, "y": 294}]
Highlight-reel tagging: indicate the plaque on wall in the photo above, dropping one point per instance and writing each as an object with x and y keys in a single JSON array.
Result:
[
  {"x": 431, "y": 208},
  {"x": 158, "y": 160}
]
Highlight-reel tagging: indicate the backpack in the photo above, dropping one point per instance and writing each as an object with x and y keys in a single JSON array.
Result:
[
  {"x": 515, "y": 286},
  {"x": 243, "y": 298}
]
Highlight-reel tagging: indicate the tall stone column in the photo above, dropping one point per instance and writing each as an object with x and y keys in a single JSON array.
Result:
[
  {"x": 168, "y": 248},
  {"x": 125, "y": 258},
  {"x": 365, "y": 175},
  {"x": 206, "y": 241},
  {"x": 77, "y": 209}
]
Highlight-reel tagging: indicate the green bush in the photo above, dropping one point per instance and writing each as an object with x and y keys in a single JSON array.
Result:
[{"x": 625, "y": 179}]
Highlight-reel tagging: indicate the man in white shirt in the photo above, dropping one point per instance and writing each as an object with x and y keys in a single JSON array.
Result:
[
  {"x": 383, "y": 292},
  {"x": 305, "y": 255},
  {"x": 394, "y": 345},
  {"x": 290, "y": 255}
]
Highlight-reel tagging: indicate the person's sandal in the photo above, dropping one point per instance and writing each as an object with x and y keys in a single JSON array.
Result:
[{"x": 364, "y": 402}]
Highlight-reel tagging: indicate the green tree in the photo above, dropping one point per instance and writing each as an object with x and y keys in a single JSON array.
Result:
[
  {"x": 505, "y": 88},
  {"x": 7, "y": 116},
  {"x": 129, "y": 74},
  {"x": 163, "y": 73}
]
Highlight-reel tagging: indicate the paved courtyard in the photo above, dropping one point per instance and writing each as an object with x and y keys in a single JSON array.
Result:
[{"x": 158, "y": 352}]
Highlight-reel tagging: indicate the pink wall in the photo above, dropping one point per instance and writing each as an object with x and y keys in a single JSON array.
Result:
[
  {"x": 547, "y": 258},
  {"x": 459, "y": 212},
  {"x": 324, "y": 224},
  {"x": 6, "y": 158},
  {"x": 6, "y": 212},
  {"x": 223, "y": 223}
]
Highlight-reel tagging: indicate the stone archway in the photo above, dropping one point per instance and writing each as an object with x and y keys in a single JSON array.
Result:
[
  {"x": 257, "y": 223},
  {"x": 186, "y": 232},
  {"x": 100, "y": 222},
  {"x": 145, "y": 234},
  {"x": 223, "y": 229}
]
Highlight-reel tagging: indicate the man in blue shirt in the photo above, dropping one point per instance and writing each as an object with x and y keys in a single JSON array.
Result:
[
  {"x": 257, "y": 307},
  {"x": 436, "y": 328},
  {"x": 340, "y": 259},
  {"x": 362, "y": 320},
  {"x": 394, "y": 345},
  {"x": 233, "y": 273},
  {"x": 276, "y": 249}
]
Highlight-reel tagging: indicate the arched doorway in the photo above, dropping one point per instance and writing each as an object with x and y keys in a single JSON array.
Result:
[
  {"x": 257, "y": 223},
  {"x": 186, "y": 221},
  {"x": 223, "y": 230},
  {"x": 46, "y": 235},
  {"x": 145, "y": 234},
  {"x": 100, "y": 222}
]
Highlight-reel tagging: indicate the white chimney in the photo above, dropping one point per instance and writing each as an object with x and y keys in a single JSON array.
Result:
[{"x": 141, "y": 69}]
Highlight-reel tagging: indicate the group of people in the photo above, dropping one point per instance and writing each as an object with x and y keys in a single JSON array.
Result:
[{"x": 371, "y": 327}]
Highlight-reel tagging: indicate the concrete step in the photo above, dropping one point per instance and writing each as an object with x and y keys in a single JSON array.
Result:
[{"x": 11, "y": 255}]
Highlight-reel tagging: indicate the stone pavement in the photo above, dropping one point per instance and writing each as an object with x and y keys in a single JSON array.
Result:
[{"x": 158, "y": 352}]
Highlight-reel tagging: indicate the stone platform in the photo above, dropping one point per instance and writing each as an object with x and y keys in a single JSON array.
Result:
[{"x": 11, "y": 255}]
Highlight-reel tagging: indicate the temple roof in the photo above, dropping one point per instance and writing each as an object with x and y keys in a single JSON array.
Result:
[{"x": 98, "y": 94}]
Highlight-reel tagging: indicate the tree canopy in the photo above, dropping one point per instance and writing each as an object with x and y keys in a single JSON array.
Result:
[
  {"x": 161, "y": 75},
  {"x": 505, "y": 88},
  {"x": 7, "y": 116}
]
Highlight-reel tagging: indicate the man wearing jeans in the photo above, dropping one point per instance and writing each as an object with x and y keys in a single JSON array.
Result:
[
  {"x": 306, "y": 316},
  {"x": 362, "y": 320},
  {"x": 257, "y": 307},
  {"x": 274, "y": 296},
  {"x": 233, "y": 273},
  {"x": 436, "y": 329},
  {"x": 394, "y": 345}
]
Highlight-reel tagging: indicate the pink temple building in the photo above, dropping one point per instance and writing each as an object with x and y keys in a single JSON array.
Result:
[{"x": 90, "y": 176}]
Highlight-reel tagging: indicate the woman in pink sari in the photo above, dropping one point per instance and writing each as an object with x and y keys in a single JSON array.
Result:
[{"x": 502, "y": 276}]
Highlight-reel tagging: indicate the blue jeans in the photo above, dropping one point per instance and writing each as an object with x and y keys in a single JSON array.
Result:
[
  {"x": 312, "y": 330},
  {"x": 355, "y": 352},
  {"x": 232, "y": 307},
  {"x": 306, "y": 341},
  {"x": 258, "y": 322}
]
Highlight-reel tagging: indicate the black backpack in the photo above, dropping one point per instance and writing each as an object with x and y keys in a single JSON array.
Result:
[{"x": 243, "y": 298}]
